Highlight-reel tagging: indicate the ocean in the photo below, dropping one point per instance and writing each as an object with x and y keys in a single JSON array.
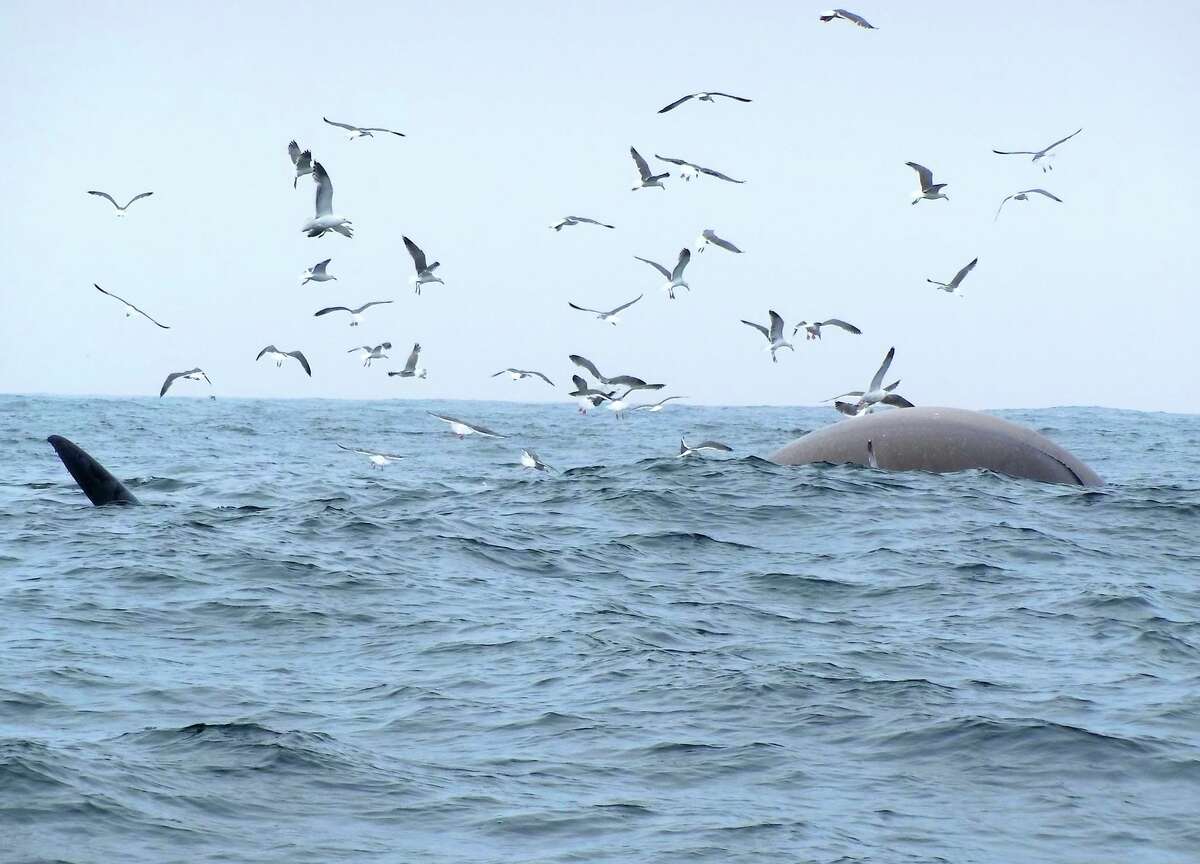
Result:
[{"x": 290, "y": 656}]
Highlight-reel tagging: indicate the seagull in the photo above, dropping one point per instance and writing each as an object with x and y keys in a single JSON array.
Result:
[
  {"x": 130, "y": 306},
  {"x": 369, "y": 353},
  {"x": 611, "y": 316},
  {"x": 690, "y": 170},
  {"x": 1024, "y": 196},
  {"x": 461, "y": 428},
  {"x": 847, "y": 16},
  {"x": 674, "y": 277},
  {"x": 813, "y": 330},
  {"x": 378, "y": 460},
  {"x": 325, "y": 220},
  {"x": 316, "y": 273},
  {"x": 709, "y": 236},
  {"x": 702, "y": 97},
  {"x": 952, "y": 286},
  {"x": 686, "y": 450},
  {"x": 875, "y": 393},
  {"x": 278, "y": 356},
  {"x": 774, "y": 336},
  {"x": 654, "y": 407},
  {"x": 852, "y": 408},
  {"x": 120, "y": 210},
  {"x": 530, "y": 459},
  {"x": 361, "y": 131},
  {"x": 301, "y": 160},
  {"x": 621, "y": 380},
  {"x": 928, "y": 189},
  {"x": 646, "y": 179},
  {"x": 578, "y": 220},
  {"x": 518, "y": 374},
  {"x": 355, "y": 314},
  {"x": 410, "y": 369},
  {"x": 1040, "y": 154},
  {"x": 424, "y": 271},
  {"x": 588, "y": 397},
  {"x": 190, "y": 375},
  {"x": 618, "y": 404}
]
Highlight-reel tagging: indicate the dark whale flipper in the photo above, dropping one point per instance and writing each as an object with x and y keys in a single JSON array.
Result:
[{"x": 97, "y": 484}]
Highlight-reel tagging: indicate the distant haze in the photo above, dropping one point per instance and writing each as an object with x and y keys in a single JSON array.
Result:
[{"x": 517, "y": 114}]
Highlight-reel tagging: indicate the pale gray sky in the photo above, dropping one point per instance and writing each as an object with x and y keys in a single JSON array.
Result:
[{"x": 518, "y": 113}]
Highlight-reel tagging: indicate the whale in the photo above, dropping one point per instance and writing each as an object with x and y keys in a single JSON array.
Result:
[
  {"x": 97, "y": 483},
  {"x": 940, "y": 440}
]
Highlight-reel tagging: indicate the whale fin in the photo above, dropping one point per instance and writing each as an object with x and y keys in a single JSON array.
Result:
[{"x": 93, "y": 478}]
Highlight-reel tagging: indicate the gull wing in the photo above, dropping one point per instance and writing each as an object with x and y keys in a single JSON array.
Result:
[
  {"x": 131, "y": 306},
  {"x": 105, "y": 195},
  {"x": 268, "y": 350},
  {"x": 342, "y": 125},
  {"x": 685, "y": 255},
  {"x": 538, "y": 374},
  {"x": 588, "y": 365},
  {"x": 625, "y": 306},
  {"x": 855, "y": 19},
  {"x": 896, "y": 400},
  {"x": 962, "y": 274},
  {"x": 137, "y": 197},
  {"x": 923, "y": 173},
  {"x": 319, "y": 268},
  {"x": 329, "y": 309},
  {"x": 370, "y": 452},
  {"x": 417, "y": 255},
  {"x": 672, "y": 161},
  {"x": 760, "y": 328},
  {"x": 380, "y": 129},
  {"x": 294, "y": 152},
  {"x": 303, "y": 360},
  {"x": 591, "y": 221},
  {"x": 661, "y": 269},
  {"x": 324, "y": 199},
  {"x": 730, "y": 96},
  {"x": 883, "y": 369},
  {"x": 586, "y": 309},
  {"x": 711, "y": 173},
  {"x": 171, "y": 379},
  {"x": 776, "y": 334},
  {"x": 838, "y": 322},
  {"x": 711, "y": 237},
  {"x": 1050, "y": 195},
  {"x": 642, "y": 167},
  {"x": 368, "y": 305},
  {"x": 1015, "y": 152},
  {"x": 676, "y": 103},
  {"x": 1061, "y": 140},
  {"x": 1001, "y": 207}
]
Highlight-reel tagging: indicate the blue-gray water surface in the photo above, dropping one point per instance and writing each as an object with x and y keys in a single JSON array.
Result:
[{"x": 290, "y": 656}]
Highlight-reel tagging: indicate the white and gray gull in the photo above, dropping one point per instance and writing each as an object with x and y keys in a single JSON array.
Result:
[
  {"x": 630, "y": 381},
  {"x": 377, "y": 459},
  {"x": 317, "y": 273},
  {"x": 519, "y": 374},
  {"x": 367, "y": 353},
  {"x": 686, "y": 450},
  {"x": 812, "y": 329},
  {"x": 708, "y": 236},
  {"x": 411, "y": 369},
  {"x": 196, "y": 374},
  {"x": 120, "y": 210},
  {"x": 325, "y": 219},
  {"x": 674, "y": 277},
  {"x": 952, "y": 286},
  {"x": 355, "y": 314},
  {"x": 708, "y": 96},
  {"x": 875, "y": 392},
  {"x": 361, "y": 131},
  {"x": 424, "y": 273},
  {"x": 1039, "y": 155},
  {"x": 611, "y": 316},
  {"x": 273, "y": 353},
  {"x": 129, "y": 306},
  {"x": 301, "y": 161},
  {"x": 845, "y": 15},
  {"x": 578, "y": 220},
  {"x": 1023, "y": 195},
  {"x": 690, "y": 170},
  {"x": 462, "y": 428},
  {"x": 646, "y": 180},
  {"x": 774, "y": 335},
  {"x": 928, "y": 189}
]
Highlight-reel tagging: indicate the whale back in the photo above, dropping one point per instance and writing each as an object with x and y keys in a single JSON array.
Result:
[
  {"x": 97, "y": 483},
  {"x": 940, "y": 440}
]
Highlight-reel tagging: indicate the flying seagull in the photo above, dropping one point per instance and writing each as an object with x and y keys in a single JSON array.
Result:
[
  {"x": 708, "y": 236},
  {"x": 702, "y": 97},
  {"x": 587, "y": 396},
  {"x": 378, "y": 460},
  {"x": 774, "y": 336},
  {"x": 611, "y": 316},
  {"x": 316, "y": 273},
  {"x": 355, "y": 314},
  {"x": 889, "y": 388},
  {"x": 196, "y": 374},
  {"x": 361, "y": 131},
  {"x": 1040, "y": 154},
  {"x": 690, "y": 170},
  {"x": 325, "y": 219},
  {"x": 411, "y": 370},
  {"x": 928, "y": 189},
  {"x": 646, "y": 179},
  {"x": 629, "y": 381},
  {"x": 875, "y": 393},
  {"x": 120, "y": 210},
  {"x": 674, "y": 277},
  {"x": 654, "y": 407},
  {"x": 952, "y": 286},
  {"x": 530, "y": 459},
  {"x": 273, "y": 353},
  {"x": 618, "y": 404},
  {"x": 847, "y": 16},
  {"x": 518, "y": 374},
  {"x": 424, "y": 271},
  {"x": 302, "y": 160},
  {"x": 578, "y": 220},
  {"x": 368, "y": 353},
  {"x": 130, "y": 306},
  {"x": 461, "y": 428},
  {"x": 812, "y": 330},
  {"x": 1024, "y": 196},
  {"x": 686, "y": 450}
]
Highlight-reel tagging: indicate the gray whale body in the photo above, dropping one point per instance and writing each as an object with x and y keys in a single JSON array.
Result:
[
  {"x": 939, "y": 440},
  {"x": 93, "y": 478}
]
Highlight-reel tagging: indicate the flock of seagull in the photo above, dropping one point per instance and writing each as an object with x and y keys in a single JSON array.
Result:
[{"x": 611, "y": 393}]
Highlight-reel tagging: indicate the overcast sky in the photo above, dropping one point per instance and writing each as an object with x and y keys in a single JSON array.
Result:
[{"x": 521, "y": 112}]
